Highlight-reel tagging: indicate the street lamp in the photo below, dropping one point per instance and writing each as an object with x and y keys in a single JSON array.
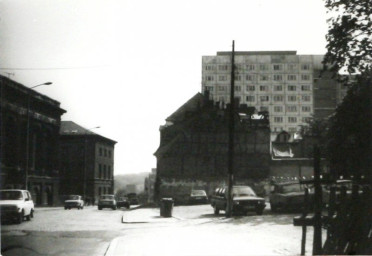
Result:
[
  {"x": 85, "y": 160},
  {"x": 28, "y": 133}
]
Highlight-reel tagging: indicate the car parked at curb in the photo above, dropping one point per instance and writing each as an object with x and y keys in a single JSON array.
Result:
[
  {"x": 16, "y": 204},
  {"x": 338, "y": 184},
  {"x": 289, "y": 196},
  {"x": 107, "y": 201},
  {"x": 244, "y": 200},
  {"x": 198, "y": 196},
  {"x": 74, "y": 201}
]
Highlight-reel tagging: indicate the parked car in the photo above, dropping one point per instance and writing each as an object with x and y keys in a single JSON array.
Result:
[
  {"x": 244, "y": 200},
  {"x": 107, "y": 201},
  {"x": 133, "y": 199},
  {"x": 289, "y": 196},
  {"x": 198, "y": 197},
  {"x": 16, "y": 204},
  {"x": 123, "y": 202},
  {"x": 326, "y": 191},
  {"x": 74, "y": 201}
]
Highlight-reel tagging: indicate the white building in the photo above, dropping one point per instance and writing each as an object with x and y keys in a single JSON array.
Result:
[{"x": 280, "y": 82}]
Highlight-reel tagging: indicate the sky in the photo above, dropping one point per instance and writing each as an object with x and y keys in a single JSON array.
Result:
[{"x": 126, "y": 65}]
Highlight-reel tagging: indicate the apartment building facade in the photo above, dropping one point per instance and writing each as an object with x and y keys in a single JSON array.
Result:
[{"x": 280, "y": 82}]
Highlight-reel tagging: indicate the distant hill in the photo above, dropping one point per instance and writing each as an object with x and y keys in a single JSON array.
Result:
[{"x": 122, "y": 180}]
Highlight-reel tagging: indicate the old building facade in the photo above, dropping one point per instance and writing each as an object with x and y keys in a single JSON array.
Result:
[
  {"x": 30, "y": 124},
  {"x": 287, "y": 85},
  {"x": 193, "y": 150},
  {"x": 87, "y": 162}
]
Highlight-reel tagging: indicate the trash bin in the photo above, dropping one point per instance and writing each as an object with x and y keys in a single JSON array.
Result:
[{"x": 166, "y": 207}]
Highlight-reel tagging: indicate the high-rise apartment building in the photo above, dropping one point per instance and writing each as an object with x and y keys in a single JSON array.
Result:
[{"x": 280, "y": 82}]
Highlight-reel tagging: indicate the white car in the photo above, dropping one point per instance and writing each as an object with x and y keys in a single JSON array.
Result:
[
  {"x": 16, "y": 204},
  {"x": 74, "y": 201}
]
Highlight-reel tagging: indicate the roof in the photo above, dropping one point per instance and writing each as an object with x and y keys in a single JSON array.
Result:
[
  {"x": 73, "y": 129},
  {"x": 190, "y": 106}
]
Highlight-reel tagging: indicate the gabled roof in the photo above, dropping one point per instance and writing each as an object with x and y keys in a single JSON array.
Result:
[
  {"x": 73, "y": 129},
  {"x": 190, "y": 106}
]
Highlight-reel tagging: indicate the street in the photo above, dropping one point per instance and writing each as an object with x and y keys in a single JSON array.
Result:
[{"x": 193, "y": 230}]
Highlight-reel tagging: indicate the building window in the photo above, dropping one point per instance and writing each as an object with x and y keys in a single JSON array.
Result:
[
  {"x": 306, "y": 119},
  {"x": 222, "y": 78},
  {"x": 278, "y": 77},
  {"x": 250, "y": 87},
  {"x": 109, "y": 172},
  {"x": 306, "y": 98},
  {"x": 250, "y": 67},
  {"x": 105, "y": 152},
  {"x": 250, "y": 98},
  {"x": 209, "y": 67},
  {"x": 209, "y": 88},
  {"x": 99, "y": 171},
  {"x": 238, "y": 78},
  {"x": 278, "y": 108},
  {"x": 278, "y": 88},
  {"x": 100, "y": 151},
  {"x": 277, "y": 67},
  {"x": 221, "y": 88},
  {"x": 292, "y": 119},
  {"x": 305, "y": 87},
  {"x": 305, "y": 77},
  {"x": 278, "y": 119},
  {"x": 263, "y": 108},
  {"x": 292, "y": 88},
  {"x": 278, "y": 98},
  {"x": 292, "y": 67},
  {"x": 223, "y": 67},
  {"x": 306, "y": 108},
  {"x": 305, "y": 67},
  {"x": 210, "y": 78},
  {"x": 292, "y": 129},
  {"x": 292, "y": 98},
  {"x": 104, "y": 171},
  {"x": 249, "y": 77},
  {"x": 264, "y": 77},
  {"x": 264, "y": 98},
  {"x": 264, "y": 67},
  {"x": 292, "y": 77},
  {"x": 291, "y": 108},
  {"x": 264, "y": 88},
  {"x": 238, "y": 88}
]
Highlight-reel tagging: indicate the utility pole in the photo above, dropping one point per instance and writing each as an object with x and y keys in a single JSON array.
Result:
[{"x": 231, "y": 136}]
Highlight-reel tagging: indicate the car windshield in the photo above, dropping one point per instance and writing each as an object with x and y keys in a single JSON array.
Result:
[
  {"x": 107, "y": 197},
  {"x": 73, "y": 197},
  {"x": 243, "y": 191},
  {"x": 198, "y": 193},
  {"x": 11, "y": 195},
  {"x": 292, "y": 188}
]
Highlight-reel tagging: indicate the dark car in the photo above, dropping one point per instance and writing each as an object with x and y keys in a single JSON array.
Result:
[
  {"x": 107, "y": 201},
  {"x": 338, "y": 184},
  {"x": 123, "y": 202},
  {"x": 133, "y": 199},
  {"x": 198, "y": 197},
  {"x": 244, "y": 200},
  {"x": 289, "y": 196}
]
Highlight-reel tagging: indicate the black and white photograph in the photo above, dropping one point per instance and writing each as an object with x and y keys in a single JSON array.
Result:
[{"x": 185, "y": 128}]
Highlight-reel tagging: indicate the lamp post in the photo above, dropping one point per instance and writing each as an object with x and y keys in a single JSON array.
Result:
[
  {"x": 28, "y": 133},
  {"x": 85, "y": 160}
]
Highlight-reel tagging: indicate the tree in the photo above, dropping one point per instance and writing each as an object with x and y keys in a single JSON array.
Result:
[{"x": 350, "y": 35}]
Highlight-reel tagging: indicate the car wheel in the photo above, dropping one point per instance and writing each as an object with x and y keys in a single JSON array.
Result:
[
  {"x": 114, "y": 208},
  {"x": 28, "y": 217},
  {"x": 20, "y": 217},
  {"x": 216, "y": 210},
  {"x": 259, "y": 211},
  {"x": 65, "y": 208},
  {"x": 99, "y": 208},
  {"x": 32, "y": 213},
  {"x": 128, "y": 206}
]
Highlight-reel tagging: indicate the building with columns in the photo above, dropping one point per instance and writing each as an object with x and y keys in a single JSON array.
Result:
[
  {"x": 87, "y": 162},
  {"x": 30, "y": 124},
  {"x": 287, "y": 85}
]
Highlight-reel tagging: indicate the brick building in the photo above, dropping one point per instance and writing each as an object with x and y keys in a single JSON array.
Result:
[
  {"x": 193, "y": 151},
  {"x": 87, "y": 162},
  {"x": 30, "y": 124}
]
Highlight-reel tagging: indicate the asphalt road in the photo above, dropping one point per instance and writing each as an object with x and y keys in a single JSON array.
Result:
[{"x": 57, "y": 232}]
